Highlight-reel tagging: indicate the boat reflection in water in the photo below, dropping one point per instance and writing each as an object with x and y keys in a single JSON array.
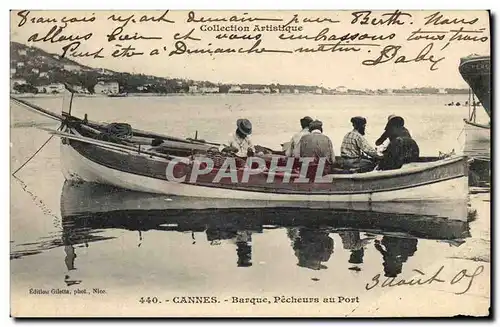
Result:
[
  {"x": 89, "y": 209},
  {"x": 312, "y": 247}
]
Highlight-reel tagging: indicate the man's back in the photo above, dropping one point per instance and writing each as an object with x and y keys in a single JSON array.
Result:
[
  {"x": 317, "y": 145},
  {"x": 354, "y": 144}
]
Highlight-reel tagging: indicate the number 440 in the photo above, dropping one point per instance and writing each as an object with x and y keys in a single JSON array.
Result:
[{"x": 149, "y": 300}]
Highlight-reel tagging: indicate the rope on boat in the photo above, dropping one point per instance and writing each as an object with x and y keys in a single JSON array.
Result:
[{"x": 114, "y": 132}]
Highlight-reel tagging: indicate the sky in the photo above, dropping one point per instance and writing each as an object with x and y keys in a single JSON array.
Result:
[{"x": 324, "y": 69}]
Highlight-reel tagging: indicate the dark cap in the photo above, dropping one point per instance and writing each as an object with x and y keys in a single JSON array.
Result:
[
  {"x": 244, "y": 126},
  {"x": 316, "y": 124},
  {"x": 395, "y": 120},
  {"x": 304, "y": 122},
  {"x": 358, "y": 120}
]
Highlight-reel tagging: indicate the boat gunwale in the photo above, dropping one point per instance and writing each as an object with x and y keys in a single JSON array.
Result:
[{"x": 469, "y": 122}]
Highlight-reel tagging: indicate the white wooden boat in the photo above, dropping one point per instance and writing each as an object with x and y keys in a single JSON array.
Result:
[
  {"x": 130, "y": 164},
  {"x": 85, "y": 159}
]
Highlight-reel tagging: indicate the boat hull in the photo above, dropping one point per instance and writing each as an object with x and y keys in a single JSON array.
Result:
[
  {"x": 446, "y": 181},
  {"x": 476, "y": 71}
]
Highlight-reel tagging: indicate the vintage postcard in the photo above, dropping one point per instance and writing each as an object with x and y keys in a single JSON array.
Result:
[{"x": 250, "y": 163}]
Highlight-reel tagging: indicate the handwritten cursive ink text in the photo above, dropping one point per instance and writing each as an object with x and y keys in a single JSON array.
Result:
[{"x": 391, "y": 52}]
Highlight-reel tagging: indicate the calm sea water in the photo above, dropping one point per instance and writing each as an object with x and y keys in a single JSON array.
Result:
[{"x": 185, "y": 252}]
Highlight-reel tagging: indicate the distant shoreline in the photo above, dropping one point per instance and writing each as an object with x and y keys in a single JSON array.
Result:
[{"x": 135, "y": 95}]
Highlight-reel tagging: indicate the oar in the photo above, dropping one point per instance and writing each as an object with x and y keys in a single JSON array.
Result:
[{"x": 113, "y": 146}]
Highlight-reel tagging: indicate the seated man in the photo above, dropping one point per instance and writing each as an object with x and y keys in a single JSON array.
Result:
[
  {"x": 394, "y": 128},
  {"x": 294, "y": 149},
  {"x": 356, "y": 153},
  {"x": 317, "y": 145},
  {"x": 240, "y": 142},
  {"x": 401, "y": 149}
]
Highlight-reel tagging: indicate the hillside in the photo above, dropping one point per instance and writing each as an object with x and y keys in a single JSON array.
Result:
[
  {"x": 39, "y": 56},
  {"x": 38, "y": 67},
  {"x": 32, "y": 69}
]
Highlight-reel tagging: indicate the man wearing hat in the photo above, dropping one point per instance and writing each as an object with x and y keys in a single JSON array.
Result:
[
  {"x": 294, "y": 149},
  {"x": 401, "y": 149},
  {"x": 356, "y": 153},
  {"x": 239, "y": 141},
  {"x": 316, "y": 144},
  {"x": 395, "y": 128}
]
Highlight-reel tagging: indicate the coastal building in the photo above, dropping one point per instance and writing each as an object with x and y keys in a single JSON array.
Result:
[
  {"x": 35, "y": 70},
  {"x": 442, "y": 91},
  {"x": 44, "y": 75},
  {"x": 235, "y": 88},
  {"x": 265, "y": 90},
  {"x": 296, "y": 91},
  {"x": 16, "y": 81},
  {"x": 72, "y": 68},
  {"x": 318, "y": 91},
  {"x": 107, "y": 88},
  {"x": 277, "y": 91},
  {"x": 103, "y": 71},
  {"x": 193, "y": 89},
  {"x": 286, "y": 91},
  {"x": 20, "y": 64},
  {"x": 21, "y": 52},
  {"x": 41, "y": 89},
  {"x": 341, "y": 89},
  {"x": 79, "y": 89},
  {"x": 214, "y": 89},
  {"x": 55, "y": 88}
]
